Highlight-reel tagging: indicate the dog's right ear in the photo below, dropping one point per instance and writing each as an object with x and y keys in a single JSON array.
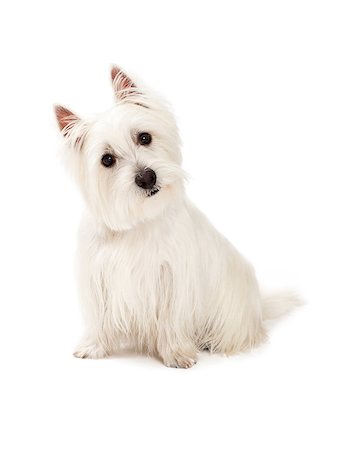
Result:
[{"x": 66, "y": 119}]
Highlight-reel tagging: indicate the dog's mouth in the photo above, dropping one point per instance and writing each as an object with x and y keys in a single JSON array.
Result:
[{"x": 152, "y": 192}]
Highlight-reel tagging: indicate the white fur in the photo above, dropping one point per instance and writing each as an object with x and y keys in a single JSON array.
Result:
[{"x": 154, "y": 273}]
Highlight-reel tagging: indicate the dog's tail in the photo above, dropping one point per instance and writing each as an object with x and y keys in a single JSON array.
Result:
[{"x": 274, "y": 306}]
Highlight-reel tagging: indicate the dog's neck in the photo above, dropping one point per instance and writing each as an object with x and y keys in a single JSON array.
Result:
[{"x": 153, "y": 226}]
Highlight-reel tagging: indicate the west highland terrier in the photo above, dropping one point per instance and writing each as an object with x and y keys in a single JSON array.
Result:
[{"x": 154, "y": 273}]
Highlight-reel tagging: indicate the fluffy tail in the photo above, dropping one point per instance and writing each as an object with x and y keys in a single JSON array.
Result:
[{"x": 278, "y": 305}]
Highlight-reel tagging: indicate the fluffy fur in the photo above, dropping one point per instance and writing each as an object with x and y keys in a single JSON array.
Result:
[{"x": 154, "y": 273}]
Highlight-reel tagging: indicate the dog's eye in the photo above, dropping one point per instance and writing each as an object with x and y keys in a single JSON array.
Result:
[
  {"x": 108, "y": 160},
  {"x": 144, "y": 138}
]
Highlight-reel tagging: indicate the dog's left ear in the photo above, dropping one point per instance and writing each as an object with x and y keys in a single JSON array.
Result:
[
  {"x": 66, "y": 119},
  {"x": 122, "y": 83}
]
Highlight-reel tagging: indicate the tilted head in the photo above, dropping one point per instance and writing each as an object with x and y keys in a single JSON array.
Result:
[{"x": 127, "y": 160}]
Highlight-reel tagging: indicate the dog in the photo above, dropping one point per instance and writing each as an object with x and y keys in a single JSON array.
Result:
[{"x": 154, "y": 273}]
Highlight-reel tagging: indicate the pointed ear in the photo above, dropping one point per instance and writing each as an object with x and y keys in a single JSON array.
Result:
[
  {"x": 66, "y": 119},
  {"x": 122, "y": 84}
]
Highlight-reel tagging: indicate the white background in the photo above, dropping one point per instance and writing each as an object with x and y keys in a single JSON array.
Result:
[{"x": 267, "y": 98}]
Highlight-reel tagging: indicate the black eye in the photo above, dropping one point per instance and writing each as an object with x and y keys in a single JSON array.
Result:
[
  {"x": 144, "y": 138},
  {"x": 108, "y": 160}
]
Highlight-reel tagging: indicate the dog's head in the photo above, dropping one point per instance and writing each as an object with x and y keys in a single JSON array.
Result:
[{"x": 127, "y": 160}]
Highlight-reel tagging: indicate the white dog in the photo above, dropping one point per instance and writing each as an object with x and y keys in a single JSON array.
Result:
[{"x": 154, "y": 272}]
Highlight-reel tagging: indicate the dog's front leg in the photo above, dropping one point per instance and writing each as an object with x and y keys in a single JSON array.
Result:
[
  {"x": 90, "y": 346},
  {"x": 175, "y": 344},
  {"x": 175, "y": 351},
  {"x": 96, "y": 342}
]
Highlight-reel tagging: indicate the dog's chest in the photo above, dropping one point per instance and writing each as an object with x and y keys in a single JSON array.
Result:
[{"x": 129, "y": 266}]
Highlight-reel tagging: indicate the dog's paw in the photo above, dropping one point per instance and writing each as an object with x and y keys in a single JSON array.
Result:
[
  {"x": 90, "y": 350},
  {"x": 179, "y": 361}
]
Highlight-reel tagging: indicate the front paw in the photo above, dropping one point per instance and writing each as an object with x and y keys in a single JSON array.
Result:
[
  {"x": 180, "y": 361},
  {"x": 92, "y": 350}
]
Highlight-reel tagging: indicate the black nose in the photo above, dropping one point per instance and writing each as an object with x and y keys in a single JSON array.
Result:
[{"x": 146, "y": 179}]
